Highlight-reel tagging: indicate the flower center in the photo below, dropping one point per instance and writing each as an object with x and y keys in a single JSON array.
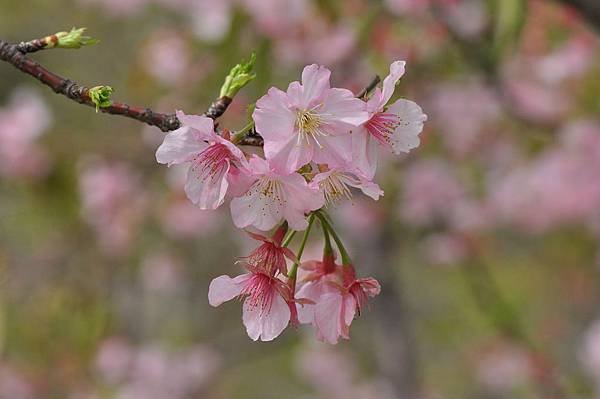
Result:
[
  {"x": 259, "y": 290},
  {"x": 268, "y": 257},
  {"x": 335, "y": 188},
  {"x": 213, "y": 161},
  {"x": 271, "y": 188},
  {"x": 309, "y": 124},
  {"x": 382, "y": 126}
]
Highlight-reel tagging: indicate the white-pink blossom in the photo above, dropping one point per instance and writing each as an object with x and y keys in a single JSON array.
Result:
[
  {"x": 395, "y": 127},
  {"x": 309, "y": 122},
  {"x": 335, "y": 185},
  {"x": 332, "y": 297},
  {"x": 210, "y": 158},
  {"x": 266, "y": 312},
  {"x": 272, "y": 197}
]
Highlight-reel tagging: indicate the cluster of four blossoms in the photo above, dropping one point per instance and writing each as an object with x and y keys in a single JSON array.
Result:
[{"x": 318, "y": 143}]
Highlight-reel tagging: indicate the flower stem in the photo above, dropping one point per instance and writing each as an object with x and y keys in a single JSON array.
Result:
[
  {"x": 327, "y": 250},
  {"x": 294, "y": 270},
  {"x": 288, "y": 238},
  {"x": 346, "y": 261}
]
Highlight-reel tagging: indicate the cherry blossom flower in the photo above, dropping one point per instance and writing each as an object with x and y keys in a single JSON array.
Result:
[
  {"x": 316, "y": 278},
  {"x": 335, "y": 185},
  {"x": 311, "y": 121},
  {"x": 338, "y": 296},
  {"x": 396, "y": 127},
  {"x": 270, "y": 255},
  {"x": 272, "y": 196},
  {"x": 209, "y": 155},
  {"x": 266, "y": 312}
]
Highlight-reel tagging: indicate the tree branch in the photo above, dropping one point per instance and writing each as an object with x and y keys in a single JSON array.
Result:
[
  {"x": 370, "y": 87},
  {"x": 15, "y": 54},
  {"x": 10, "y": 53}
]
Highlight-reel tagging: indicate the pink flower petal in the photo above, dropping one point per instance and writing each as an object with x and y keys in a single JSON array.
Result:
[
  {"x": 266, "y": 323},
  {"x": 225, "y": 288},
  {"x": 273, "y": 118},
  {"x": 341, "y": 106},
  {"x": 203, "y": 124},
  {"x": 315, "y": 83},
  {"x": 406, "y": 135},
  {"x": 390, "y": 81},
  {"x": 365, "y": 152},
  {"x": 179, "y": 146},
  {"x": 207, "y": 193},
  {"x": 329, "y": 317}
]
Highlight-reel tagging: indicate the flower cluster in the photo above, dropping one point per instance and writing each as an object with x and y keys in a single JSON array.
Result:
[{"x": 320, "y": 142}]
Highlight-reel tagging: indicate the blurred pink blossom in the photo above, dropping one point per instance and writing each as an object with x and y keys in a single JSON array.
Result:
[
  {"x": 181, "y": 219},
  {"x": 112, "y": 203},
  {"x": 358, "y": 216},
  {"x": 166, "y": 57},
  {"x": 210, "y": 20},
  {"x": 318, "y": 42},
  {"x": 118, "y": 8},
  {"x": 160, "y": 272},
  {"x": 277, "y": 17},
  {"x": 468, "y": 18},
  {"x": 444, "y": 248},
  {"x": 537, "y": 101},
  {"x": 572, "y": 59},
  {"x": 114, "y": 359},
  {"x": 403, "y": 7},
  {"x": 152, "y": 372},
  {"x": 330, "y": 371},
  {"x": 463, "y": 112},
  {"x": 431, "y": 191},
  {"x": 13, "y": 385},
  {"x": 560, "y": 186},
  {"x": 333, "y": 374},
  {"x": 503, "y": 368},
  {"x": 22, "y": 121},
  {"x": 589, "y": 352}
]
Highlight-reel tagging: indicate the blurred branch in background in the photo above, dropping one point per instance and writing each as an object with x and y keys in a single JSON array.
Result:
[
  {"x": 589, "y": 9},
  {"x": 503, "y": 316}
]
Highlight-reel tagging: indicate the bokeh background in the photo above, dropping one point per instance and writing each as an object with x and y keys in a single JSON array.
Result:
[{"x": 486, "y": 241}]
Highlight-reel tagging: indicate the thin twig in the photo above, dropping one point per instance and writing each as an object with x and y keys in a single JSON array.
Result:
[
  {"x": 15, "y": 54},
  {"x": 10, "y": 53},
  {"x": 369, "y": 88}
]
